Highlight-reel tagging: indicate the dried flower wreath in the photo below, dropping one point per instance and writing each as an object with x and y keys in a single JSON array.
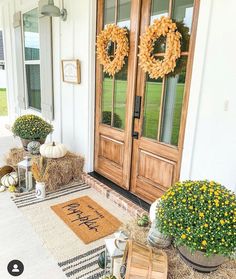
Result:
[
  {"x": 155, "y": 67},
  {"x": 117, "y": 35}
]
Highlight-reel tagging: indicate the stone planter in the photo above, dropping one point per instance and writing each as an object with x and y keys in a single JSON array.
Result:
[
  {"x": 156, "y": 238},
  {"x": 199, "y": 261},
  {"x": 25, "y": 142}
]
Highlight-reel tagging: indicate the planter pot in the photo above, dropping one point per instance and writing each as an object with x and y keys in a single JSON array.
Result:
[
  {"x": 156, "y": 238},
  {"x": 25, "y": 142},
  {"x": 40, "y": 190},
  {"x": 199, "y": 261}
]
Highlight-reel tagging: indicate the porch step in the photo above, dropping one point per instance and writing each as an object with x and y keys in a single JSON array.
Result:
[{"x": 121, "y": 201}]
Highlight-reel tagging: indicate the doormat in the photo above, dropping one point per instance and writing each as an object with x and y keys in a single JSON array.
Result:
[{"x": 87, "y": 219}]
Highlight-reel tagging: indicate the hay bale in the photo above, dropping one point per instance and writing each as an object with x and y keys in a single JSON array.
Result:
[
  {"x": 15, "y": 155},
  {"x": 177, "y": 269},
  {"x": 63, "y": 170},
  {"x": 59, "y": 172}
]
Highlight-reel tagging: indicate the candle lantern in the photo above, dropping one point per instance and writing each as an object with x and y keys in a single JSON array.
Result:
[
  {"x": 114, "y": 253},
  {"x": 25, "y": 175}
]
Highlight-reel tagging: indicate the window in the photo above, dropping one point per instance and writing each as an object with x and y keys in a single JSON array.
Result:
[
  {"x": 164, "y": 97},
  {"x": 32, "y": 59}
]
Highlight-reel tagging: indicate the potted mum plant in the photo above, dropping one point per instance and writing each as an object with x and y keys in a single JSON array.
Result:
[
  {"x": 30, "y": 127},
  {"x": 201, "y": 218}
]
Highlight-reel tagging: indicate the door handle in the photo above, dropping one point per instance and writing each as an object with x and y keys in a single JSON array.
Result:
[{"x": 137, "y": 107}]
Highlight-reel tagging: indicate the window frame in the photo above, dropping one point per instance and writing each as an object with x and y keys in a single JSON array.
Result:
[{"x": 29, "y": 62}]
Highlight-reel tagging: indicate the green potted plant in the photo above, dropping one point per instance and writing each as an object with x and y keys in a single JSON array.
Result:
[
  {"x": 30, "y": 127},
  {"x": 201, "y": 218}
]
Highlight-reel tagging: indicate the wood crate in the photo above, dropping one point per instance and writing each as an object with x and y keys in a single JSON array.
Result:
[{"x": 142, "y": 263}]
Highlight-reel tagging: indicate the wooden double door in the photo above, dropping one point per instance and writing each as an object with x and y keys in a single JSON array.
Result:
[{"x": 140, "y": 122}]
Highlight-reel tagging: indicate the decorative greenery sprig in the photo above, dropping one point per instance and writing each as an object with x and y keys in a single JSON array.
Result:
[
  {"x": 38, "y": 169},
  {"x": 200, "y": 215},
  {"x": 31, "y": 127}
]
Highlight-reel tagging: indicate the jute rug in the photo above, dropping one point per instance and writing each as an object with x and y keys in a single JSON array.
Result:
[
  {"x": 87, "y": 219},
  {"x": 76, "y": 259}
]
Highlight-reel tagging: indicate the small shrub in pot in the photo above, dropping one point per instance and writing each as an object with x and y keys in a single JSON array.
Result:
[{"x": 201, "y": 216}]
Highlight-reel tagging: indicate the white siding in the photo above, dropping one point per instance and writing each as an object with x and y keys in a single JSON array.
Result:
[
  {"x": 74, "y": 104},
  {"x": 210, "y": 141}
]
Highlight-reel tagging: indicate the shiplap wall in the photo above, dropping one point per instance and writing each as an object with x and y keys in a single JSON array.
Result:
[
  {"x": 210, "y": 138},
  {"x": 72, "y": 39}
]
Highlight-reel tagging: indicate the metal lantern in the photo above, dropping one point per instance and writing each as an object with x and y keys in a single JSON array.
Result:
[
  {"x": 114, "y": 254},
  {"x": 25, "y": 175}
]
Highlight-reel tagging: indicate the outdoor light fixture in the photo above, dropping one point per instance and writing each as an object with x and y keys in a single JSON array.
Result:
[{"x": 51, "y": 10}]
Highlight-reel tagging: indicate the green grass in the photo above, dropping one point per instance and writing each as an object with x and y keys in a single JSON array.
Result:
[
  {"x": 3, "y": 102},
  {"x": 152, "y": 106}
]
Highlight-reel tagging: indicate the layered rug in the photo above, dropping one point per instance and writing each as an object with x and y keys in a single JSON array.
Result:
[{"x": 75, "y": 258}]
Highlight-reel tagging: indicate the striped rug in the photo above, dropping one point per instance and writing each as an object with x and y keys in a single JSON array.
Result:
[
  {"x": 76, "y": 260},
  {"x": 26, "y": 199}
]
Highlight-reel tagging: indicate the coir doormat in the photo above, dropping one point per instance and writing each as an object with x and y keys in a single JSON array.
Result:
[{"x": 87, "y": 219}]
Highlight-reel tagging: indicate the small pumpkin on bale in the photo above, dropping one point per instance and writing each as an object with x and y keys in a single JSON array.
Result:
[
  {"x": 143, "y": 220},
  {"x": 53, "y": 150},
  {"x": 33, "y": 147}
]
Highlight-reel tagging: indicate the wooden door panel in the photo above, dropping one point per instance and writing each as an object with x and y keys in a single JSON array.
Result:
[
  {"x": 111, "y": 149},
  {"x": 152, "y": 176},
  {"x": 155, "y": 169}
]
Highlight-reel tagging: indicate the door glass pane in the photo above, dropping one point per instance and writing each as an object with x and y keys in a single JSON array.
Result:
[
  {"x": 31, "y": 35},
  {"x": 152, "y": 107},
  {"x": 33, "y": 86},
  {"x": 124, "y": 7},
  {"x": 109, "y": 11},
  {"x": 107, "y": 87},
  {"x": 173, "y": 107},
  {"x": 182, "y": 13},
  {"x": 159, "y": 8},
  {"x": 120, "y": 97}
]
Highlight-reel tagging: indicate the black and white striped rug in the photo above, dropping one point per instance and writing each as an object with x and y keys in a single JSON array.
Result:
[
  {"x": 84, "y": 265},
  {"x": 26, "y": 199}
]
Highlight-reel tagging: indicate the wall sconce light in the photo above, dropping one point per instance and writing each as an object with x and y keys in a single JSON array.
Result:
[{"x": 51, "y": 10}]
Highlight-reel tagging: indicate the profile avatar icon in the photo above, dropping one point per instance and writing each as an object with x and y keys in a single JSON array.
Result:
[{"x": 15, "y": 268}]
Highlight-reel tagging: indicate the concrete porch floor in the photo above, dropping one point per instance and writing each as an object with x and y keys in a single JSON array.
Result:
[{"x": 18, "y": 240}]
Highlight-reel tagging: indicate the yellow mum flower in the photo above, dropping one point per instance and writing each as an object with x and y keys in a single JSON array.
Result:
[
  {"x": 222, "y": 222},
  {"x": 183, "y": 236},
  {"x": 204, "y": 243},
  {"x": 201, "y": 214}
]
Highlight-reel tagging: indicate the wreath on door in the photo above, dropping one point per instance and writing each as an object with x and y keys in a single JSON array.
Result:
[
  {"x": 119, "y": 37},
  {"x": 149, "y": 63}
]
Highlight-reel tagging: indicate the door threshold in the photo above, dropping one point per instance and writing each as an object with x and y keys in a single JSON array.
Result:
[{"x": 121, "y": 191}]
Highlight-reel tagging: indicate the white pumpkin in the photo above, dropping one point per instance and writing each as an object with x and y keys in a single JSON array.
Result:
[
  {"x": 53, "y": 150},
  {"x": 9, "y": 179},
  {"x": 33, "y": 147}
]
